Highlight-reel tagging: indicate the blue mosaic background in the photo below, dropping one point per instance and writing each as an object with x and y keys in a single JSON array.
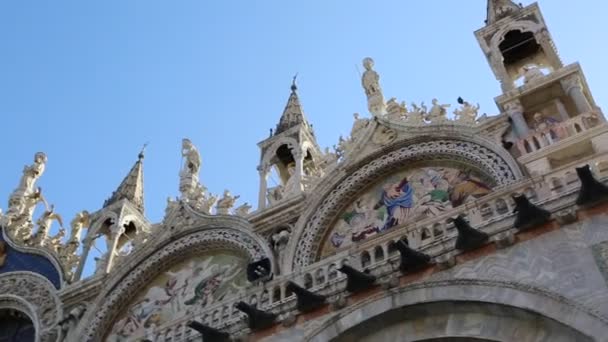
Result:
[{"x": 20, "y": 261}]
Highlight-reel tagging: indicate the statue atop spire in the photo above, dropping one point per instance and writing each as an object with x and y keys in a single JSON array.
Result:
[{"x": 371, "y": 84}]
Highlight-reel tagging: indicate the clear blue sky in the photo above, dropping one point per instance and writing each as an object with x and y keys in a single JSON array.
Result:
[{"x": 89, "y": 82}]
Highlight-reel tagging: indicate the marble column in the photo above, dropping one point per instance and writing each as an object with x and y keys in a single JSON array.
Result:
[
  {"x": 263, "y": 170},
  {"x": 516, "y": 112},
  {"x": 561, "y": 109},
  {"x": 574, "y": 88}
]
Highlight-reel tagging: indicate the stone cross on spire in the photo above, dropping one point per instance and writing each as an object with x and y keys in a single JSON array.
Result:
[
  {"x": 498, "y": 9},
  {"x": 132, "y": 186}
]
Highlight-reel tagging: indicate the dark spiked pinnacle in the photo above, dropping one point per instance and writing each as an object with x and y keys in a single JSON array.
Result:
[
  {"x": 468, "y": 237},
  {"x": 528, "y": 214},
  {"x": 258, "y": 319},
  {"x": 357, "y": 281},
  {"x": 258, "y": 270},
  {"x": 209, "y": 334},
  {"x": 307, "y": 301},
  {"x": 411, "y": 260},
  {"x": 592, "y": 191}
]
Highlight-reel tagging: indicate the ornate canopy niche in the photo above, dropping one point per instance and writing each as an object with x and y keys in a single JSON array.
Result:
[
  {"x": 201, "y": 257},
  {"x": 483, "y": 159}
]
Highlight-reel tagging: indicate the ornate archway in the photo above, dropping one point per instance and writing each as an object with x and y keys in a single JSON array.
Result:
[
  {"x": 472, "y": 309},
  {"x": 197, "y": 246},
  {"x": 485, "y": 157}
]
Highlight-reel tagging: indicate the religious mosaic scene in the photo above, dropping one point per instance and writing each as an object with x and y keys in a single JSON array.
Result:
[{"x": 430, "y": 221}]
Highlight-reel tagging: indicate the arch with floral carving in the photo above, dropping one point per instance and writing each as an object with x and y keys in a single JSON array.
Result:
[{"x": 34, "y": 296}]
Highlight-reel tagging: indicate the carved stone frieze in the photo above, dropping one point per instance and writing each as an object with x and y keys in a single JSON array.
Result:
[{"x": 36, "y": 297}]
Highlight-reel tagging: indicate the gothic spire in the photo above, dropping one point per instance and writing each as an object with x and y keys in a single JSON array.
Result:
[
  {"x": 293, "y": 114},
  {"x": 132, "y": 187},
  {"x": 498, "y": 9}
]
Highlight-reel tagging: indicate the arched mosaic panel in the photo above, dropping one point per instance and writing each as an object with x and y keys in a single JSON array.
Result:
[
  {"x": 406, "y": 196},
  {"x": 184, "y": 288},
  {"x": 478, "y": 163}
]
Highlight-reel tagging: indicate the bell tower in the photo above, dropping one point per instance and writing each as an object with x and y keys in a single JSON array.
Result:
[
  {"x": 547, "y": 102},
  {"x": 290, "y": 155}
]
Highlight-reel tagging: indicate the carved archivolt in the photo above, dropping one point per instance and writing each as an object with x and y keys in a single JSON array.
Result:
[
  {"x": 305, "y": 245},
  {"x": 128, "y": 281},
  {"x": 34, "y": 296}
]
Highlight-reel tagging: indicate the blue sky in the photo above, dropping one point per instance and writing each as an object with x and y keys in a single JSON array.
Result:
[{"x": 90, "y": 82}]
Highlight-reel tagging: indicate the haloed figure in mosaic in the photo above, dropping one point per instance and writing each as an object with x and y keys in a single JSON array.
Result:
[{"x": 403, "y": 198}]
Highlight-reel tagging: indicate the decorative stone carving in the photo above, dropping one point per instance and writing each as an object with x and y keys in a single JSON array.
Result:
[
  {"x": 358, "y": 127},
  {"x": 70, "y": 321},
  {"x": 279, "y": 244},
  {"x": 371, "y": 85},
  {"x": 467, "y": 114},
  {"x": 242, "y": 210},
  {"x": 44, "y": 306},
  {"x": 24, "y": 200},
  {"x": 226, "y": 203},
  {"x": 396, "y": 111},
  {"x": 438, "y": 113},
  {"x": 417, "y": 115},
  {"x": 532, "y": 73},
  {"x": 275, "y": 195},
  {"x": 44, "y": 225},
  {"x": 123, "y": 286},
  {"x": 384, "y": 136}
]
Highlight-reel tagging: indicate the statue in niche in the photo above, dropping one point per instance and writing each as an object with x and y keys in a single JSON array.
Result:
[
  {"x": 279, "y": 243},
  {"x": 395, "y": 110},
  {"x": 542, "y": 122},
  {"x": 193, "y": 158},
  {"x": 416, "y": 115},
  {"x": 274, "y": 195},
  {"x": 438, "y": 112},
  {"x": 226, "y": 203},
  {"x": 371, "y": 84},
  {"x": 467, "y": 114},
  {"x": 531, "y": 73}
]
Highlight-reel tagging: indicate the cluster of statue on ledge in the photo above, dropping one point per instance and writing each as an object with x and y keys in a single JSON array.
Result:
[
  {"x": 418, "y": 114},
  {"x": 23, "y": 229}
]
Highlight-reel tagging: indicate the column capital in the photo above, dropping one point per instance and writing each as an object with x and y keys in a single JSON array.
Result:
[{"x": 571, "y": 82}]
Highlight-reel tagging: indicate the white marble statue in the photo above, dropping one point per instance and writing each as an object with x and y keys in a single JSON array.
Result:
[
  {"x": 371, "y": 84},
  {"x": 396, "y": 111},
  {"x": 226, "y": 203},
  {"x": 359, "y": 126},
  {"x": 81, "y": 221},
  {"x": 279, "y": 243},
  {"x": 438, "y": 113},
  {"x": 190, "y": 169},
  {"x": 532, "y": 73},
  {"x": 467, "y": 113},
  {"x": 242, "y": 210},
  {"x": 275, "y": 194},
  {"x": 416, "y": 115},
  {"x": 207, "y": 203},
  {"x": 193, "y": 158},
  {"x": 44, "y": 226},
  {"x": 23, "y": 199}
]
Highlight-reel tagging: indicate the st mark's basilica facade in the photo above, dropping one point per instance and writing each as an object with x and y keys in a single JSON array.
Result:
[{"x": 422, "y": 225}]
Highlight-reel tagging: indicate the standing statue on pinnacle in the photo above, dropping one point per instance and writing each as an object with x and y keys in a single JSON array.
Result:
[
  {"x": 371, "y": 84},
  {"x": 189, "y": 173}
]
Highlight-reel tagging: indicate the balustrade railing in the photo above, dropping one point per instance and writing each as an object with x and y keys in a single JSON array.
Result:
[
  {"x": 377, "y": 254},
  {"x": 553, "y": 133}
]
